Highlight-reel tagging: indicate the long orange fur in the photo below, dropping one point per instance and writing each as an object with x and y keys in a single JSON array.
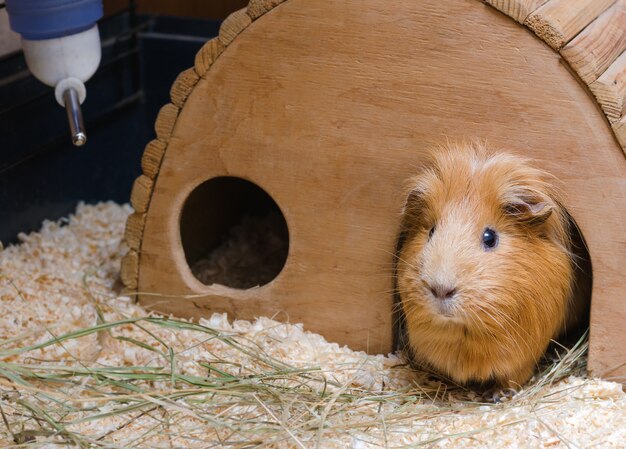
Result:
[{"x": 510, "y": 301}]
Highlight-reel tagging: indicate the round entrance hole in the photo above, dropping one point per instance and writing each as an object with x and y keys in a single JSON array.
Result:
[{"x": 233, "y": 233}]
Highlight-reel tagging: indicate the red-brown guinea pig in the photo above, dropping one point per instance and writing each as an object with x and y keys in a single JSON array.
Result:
[{"x": 485, "y": 271}]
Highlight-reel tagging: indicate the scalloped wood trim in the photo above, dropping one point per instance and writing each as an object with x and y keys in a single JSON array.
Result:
[
  {"x": 165, "y": 121},
  {"x": 554, "y": 21},
  {"x": 141, "y": 193},
  {"x": 207, "y": 55},
  {"x": 130, "y": 270},
  {"x": 233, "y": 25},
  {"x": 620, "y": 131},
  {"x": 256, "y": 8},
  {"x": 152, "y": 158},
  {"x": 517, "y": 10},
  {"x": 182, "y": 87},
  {"x": 597, "y": 46},
  {"x": 610, "y": 90},
  {"x": 134, "y": 230},
  {"x": 558, "y": 21}
]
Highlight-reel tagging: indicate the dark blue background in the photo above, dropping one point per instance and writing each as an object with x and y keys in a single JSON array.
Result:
[{"x": 42, "y": 176}]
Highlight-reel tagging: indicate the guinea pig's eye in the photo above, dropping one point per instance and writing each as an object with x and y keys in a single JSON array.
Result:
[
  {"x": 490, "y": 238},
  {"x": 431, "y": 232}
]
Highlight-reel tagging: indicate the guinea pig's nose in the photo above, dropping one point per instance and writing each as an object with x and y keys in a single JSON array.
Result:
[{"x": 442, "y": 291}]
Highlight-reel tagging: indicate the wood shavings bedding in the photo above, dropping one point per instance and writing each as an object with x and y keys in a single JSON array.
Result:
[{"x": 82, "y": 366}]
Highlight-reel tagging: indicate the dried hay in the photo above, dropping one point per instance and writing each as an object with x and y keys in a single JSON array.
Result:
[{"x": 83, "y": 367}]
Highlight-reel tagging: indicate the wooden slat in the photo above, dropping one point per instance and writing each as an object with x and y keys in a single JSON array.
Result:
[
  {"x": 558, "y": 21},
  {"x": 182, "y": 87},
  {"x": 597, "y": 46},
  {"x": 610, "y": 89},
  {"x": 516, "y": 9},
  {"x": 130, "y": 269},
  {"x": 233, "y": 25},
  {"x": 140, "y": 195},
  {"x": 207, "y": 55},
  {"x": 134, "y": 230},
  {"x": 256, "y": 8},
  {"x": 165, "y": 121},
  {"x": 152, "y": 157},
  {"x": 620, "y": 131}
]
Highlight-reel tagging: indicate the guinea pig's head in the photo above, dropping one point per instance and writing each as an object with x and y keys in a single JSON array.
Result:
[{"x": 486, "y": 247}]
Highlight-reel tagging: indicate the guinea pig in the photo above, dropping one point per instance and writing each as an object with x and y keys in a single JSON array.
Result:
[{"x": 485, "y": 272}]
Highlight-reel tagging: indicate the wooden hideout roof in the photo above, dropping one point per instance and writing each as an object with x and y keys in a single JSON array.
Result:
[{"x": 510, "y": 89}]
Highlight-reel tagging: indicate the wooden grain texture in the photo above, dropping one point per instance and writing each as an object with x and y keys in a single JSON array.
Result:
[
  {"x": 152, "y": 157},
  {"x": 558, "y": 21},
  {"x": 129, "y": 271},
  {"x": 256, "y": 8},
  {"x": 610, "y": 90},
  {"x": 207, "y": 55},
  {"x": 233, "y": 25},
  {"x": 182, "y": 87},
  {"x": 620, "y": 131},
  {"x": 330, "y": 115},
  {"x": 597, "y": 46},
  {"x": 518, "y": 10},
  {"x": 141, "y": 193},
  {"x": 165, "y": 121},
  {"x": 134, "y": 230}
]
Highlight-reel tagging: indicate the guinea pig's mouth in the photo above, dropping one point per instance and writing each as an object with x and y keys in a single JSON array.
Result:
[
  {"x": 446, "y": 308},
  {"x": 443, "y": 305}
]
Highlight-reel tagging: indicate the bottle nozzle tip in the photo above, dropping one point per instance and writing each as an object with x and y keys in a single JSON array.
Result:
[{"x": 79, "y": 139}]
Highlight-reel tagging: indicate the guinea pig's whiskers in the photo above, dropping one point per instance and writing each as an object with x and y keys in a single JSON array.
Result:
[
  {"x": 407, "y": 306},
  {"x": 470, "y": 315},
  {"x": 386, "y": 292},
  {"x": 478, "y": 322},
  {"x": 385, "y": 250},
  {"x": 513, "y": 327},
  {"x": 494, "y": 320},
  {"x": 409, "y": 289},
  {"x": 410, "y": 310},
  {"x": 397, "y": 308},
  {"x": 514, "y": 324},
  {"x": 397, "y": 322},
  {"x": 409, "y": 264}
]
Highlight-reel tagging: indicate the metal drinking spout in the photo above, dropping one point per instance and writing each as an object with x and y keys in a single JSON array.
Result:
[
  {"x": 75, "y": 117},
  {"x": 62, "y": 49}
]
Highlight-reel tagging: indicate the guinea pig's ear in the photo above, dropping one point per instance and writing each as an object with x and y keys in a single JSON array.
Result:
[
  {"x": 415, "y": 205},
  {"x": 530, "y": 207}
]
